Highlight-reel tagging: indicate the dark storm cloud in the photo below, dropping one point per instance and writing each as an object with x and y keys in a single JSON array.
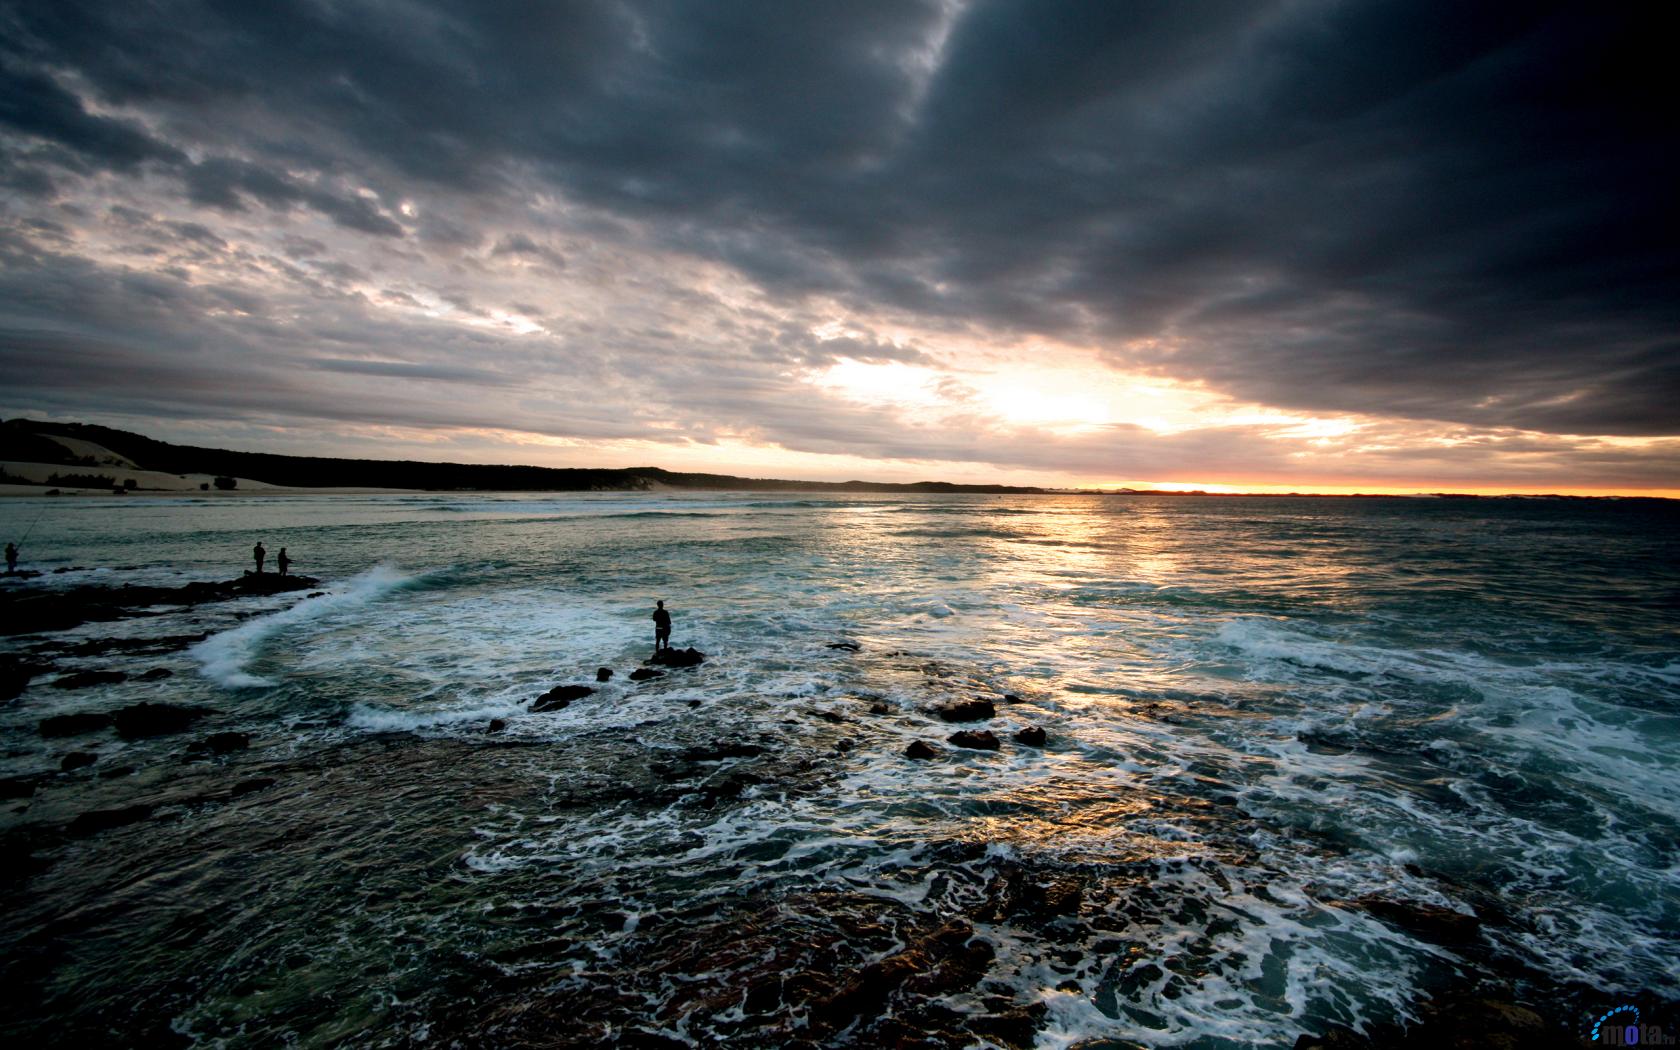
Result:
[{"x": 1435, "y": 211}]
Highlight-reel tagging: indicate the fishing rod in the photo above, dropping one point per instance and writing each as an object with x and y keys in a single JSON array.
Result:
[{"x": 32, "y": 525}]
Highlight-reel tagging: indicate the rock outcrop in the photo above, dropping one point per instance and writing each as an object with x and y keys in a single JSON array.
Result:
[
  {"x": 560, "y": 696},
  {"x": 678, "y": 658},
  {"x": 976, "y": 710},
  {"x": 146, "y": 720},
  {"x": 975, "y": 739}
]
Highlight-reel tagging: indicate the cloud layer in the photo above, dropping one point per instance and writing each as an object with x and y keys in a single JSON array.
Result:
[{"x": 1450, "y": 228}]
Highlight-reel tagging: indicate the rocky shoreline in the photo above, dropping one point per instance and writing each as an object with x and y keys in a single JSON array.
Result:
[{"x": 820, "y": 966}]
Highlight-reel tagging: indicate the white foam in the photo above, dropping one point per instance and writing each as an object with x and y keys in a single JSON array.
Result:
[{"x": 225, "y": 657}]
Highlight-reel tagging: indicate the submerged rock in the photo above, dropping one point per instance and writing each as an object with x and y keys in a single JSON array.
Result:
[
  {"x": 85, "y": 679},
  {"x": 496, "y": 725},
  {"x": 976, "y": 710},
  {"x": 221, "y": 743},
  {"x": 975, "y": 739},
  {"x": 848, "y": 646},
  {"x": 948, "y": 961},
  {"x": 921, "y": 749},
  {"x": 721, "y": 750},
  {"x": 1032, "y": 736},
  {"x": 97, "y": 820},
  {"x": 560, "y": 696},
  {"x": 678, "y": 658},
  {"x": 15, "y": 673},
  {"x": 76, "y": 760},
  {"x": 75, "y": 725},
  {"x": 1428, "y": 922},
  {"x": 143, "y": 720},
  {"x": 603, "y": 674},
  {"x": 154, "y": 675},
  {"x": 245, "y": 787},
  {"x": 645, "y": 674}
]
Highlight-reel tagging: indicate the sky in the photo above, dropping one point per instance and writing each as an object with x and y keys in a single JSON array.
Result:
[{"x": 1286, "y": 245}]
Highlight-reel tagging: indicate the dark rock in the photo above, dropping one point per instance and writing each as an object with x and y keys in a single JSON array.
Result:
[
  {"x": 1426, "y": 922},
  {"x": 246, "y": 787},
  {"x": 848, "y": 646},
  {"x": 1016, "y": 1028},
  {"x": 1045, "y": 896},
  {"x": 143, "y": 720},
  {"x": 945, "y": 962},
  {"x": 97, "y": 820},
  {"x": 221, "y": 743},
  {"x": 154, "y": 675},
  {"x": 844, "y": 745},
  {"x": 17, "y": 787},
  {"x": 645, "y": 674},
  {"x": 84, "y": 679},
  {"x": 1032, "y": 736},
  {"x": 161, "y": 644},
  {"x": 975, "y": 739},
  {"x": 603, "y": 674},
  {"x": 15, "y": 673},
  {"x": 561, "y": 695},
  {"x": 721, "y": 750},
  {"x": 921, "y": 749},
  {"x": 316, "y": 594},
  {"x": 75, "y": 760},
  {"x": 30, "y": 611},
  {"x": 694, "y": 703},
  {"x": 74, "y": 725},
  {"x": 678, "y": 658},
  {"x": 880, "y": 708},
  {"x": 496, "y": 725},
  {"x": 1011, "y": 698},
  {"x": 976, "y": 710}
]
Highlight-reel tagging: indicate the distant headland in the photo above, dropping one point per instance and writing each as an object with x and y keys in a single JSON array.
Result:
[
  {"x": 83, "y": 456},
  {"x": 64, "y": 458}
]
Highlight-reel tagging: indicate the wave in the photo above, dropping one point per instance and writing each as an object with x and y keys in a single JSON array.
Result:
[{"x": 225, "y": 657}]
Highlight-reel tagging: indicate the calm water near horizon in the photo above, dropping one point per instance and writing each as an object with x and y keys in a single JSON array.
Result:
[{"x": 1280, "y": 730}]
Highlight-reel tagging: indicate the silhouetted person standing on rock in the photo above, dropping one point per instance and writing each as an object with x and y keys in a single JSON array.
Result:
[
  {"x": 282, "y": 561},
  {"x": 11, "y": 558},
  {"x": 661, "y": 628},
  {"x": 259, "y": 554}
]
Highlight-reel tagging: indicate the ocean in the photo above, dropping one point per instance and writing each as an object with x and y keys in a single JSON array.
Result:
[{"x": 1309, "y": 762}]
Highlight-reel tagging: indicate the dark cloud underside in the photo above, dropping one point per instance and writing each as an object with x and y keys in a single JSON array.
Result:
[{"x": 1429, "y": 211}]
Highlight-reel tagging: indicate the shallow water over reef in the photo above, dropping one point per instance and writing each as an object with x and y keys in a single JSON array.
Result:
[{"x": 1307, "y": 762}]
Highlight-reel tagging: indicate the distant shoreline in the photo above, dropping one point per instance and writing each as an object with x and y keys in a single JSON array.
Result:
[{"x": 36, "y": 457}]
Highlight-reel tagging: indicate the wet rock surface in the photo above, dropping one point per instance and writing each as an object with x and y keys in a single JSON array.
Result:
[
  {"x": 975, "y": 739},
  {"x": 678, "y": 658},
  {"x": 27, "y": 610},
  {"x": 976, "y": 710},
  {"x": 1032, "y": 736},
  {"x": 560, "y": 697}
]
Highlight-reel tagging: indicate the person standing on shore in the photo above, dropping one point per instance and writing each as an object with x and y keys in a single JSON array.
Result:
[
  {"x": 11, "y": 558},
  {"x": 661, "y": 628},
  {"x": 259, "y": 554},
  {"x": 282, "y": 561}
]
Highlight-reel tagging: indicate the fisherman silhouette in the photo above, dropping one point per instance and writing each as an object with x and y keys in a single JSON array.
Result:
[
  {"x": 258, "y": 553},
  {"x": 661, "y": 628},
  {"x": 282, "y": 561},
  {"x": 11, "y": 558}
]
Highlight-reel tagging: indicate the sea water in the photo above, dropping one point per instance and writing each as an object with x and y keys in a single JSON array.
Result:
[{"x": 1262, "y": 715}]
